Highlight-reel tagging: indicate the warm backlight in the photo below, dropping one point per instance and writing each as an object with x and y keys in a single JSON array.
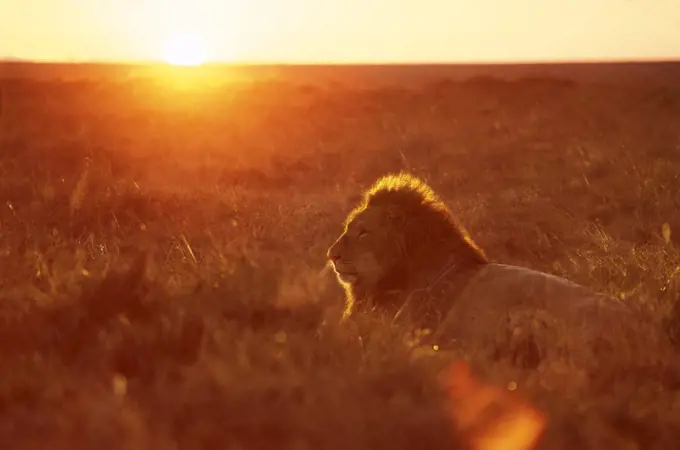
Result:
[{"x": 185, "y": 50}]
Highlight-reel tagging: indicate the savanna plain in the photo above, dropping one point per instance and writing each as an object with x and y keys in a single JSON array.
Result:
[{"x": 162, "y": 256}]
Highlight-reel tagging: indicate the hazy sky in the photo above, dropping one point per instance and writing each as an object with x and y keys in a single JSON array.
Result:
[{"x": 344, "y": 30}]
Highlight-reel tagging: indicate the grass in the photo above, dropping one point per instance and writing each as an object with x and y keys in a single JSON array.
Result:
[{"x": 162, "y": 250}]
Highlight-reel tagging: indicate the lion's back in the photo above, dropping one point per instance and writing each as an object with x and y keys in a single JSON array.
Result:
[{"x": 497, "y": 291}]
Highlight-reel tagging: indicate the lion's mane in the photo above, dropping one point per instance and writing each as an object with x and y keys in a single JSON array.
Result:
[{"x": 429, "y": 236}]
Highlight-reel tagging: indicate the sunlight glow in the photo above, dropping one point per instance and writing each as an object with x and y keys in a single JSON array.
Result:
[{"x": 185, "y": 49}]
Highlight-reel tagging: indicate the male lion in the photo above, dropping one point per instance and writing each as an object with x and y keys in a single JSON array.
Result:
[{"x": 403, "y": 252}]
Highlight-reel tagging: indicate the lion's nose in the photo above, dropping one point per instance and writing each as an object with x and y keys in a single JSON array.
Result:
[{"x": 332, "y": 253}]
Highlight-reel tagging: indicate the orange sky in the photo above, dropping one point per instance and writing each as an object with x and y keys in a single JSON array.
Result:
[{"x": 344, "y": 30}]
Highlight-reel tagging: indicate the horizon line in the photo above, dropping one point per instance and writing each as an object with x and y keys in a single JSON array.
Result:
[{"x": 15, "y": 60}]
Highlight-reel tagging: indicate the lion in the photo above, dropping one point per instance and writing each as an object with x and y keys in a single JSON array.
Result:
[{"x": 404, "y": 253}]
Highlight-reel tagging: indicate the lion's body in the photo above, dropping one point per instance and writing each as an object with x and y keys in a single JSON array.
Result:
[
  {"x": 500, "y": 303},
  {"x": 403, "y": 252},
  {"x": 496, "y": 289}
]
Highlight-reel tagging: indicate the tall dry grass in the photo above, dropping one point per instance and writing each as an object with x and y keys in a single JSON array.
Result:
[{"x": 161, "y": 257}]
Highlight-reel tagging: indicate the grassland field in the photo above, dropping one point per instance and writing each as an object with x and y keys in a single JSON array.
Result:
[{"x": 226, "y": 336}]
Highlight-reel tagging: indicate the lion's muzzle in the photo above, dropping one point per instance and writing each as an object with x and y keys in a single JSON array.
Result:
[
  {"x": 344, "y": 270},
  {"x": 335, "y": 252}
]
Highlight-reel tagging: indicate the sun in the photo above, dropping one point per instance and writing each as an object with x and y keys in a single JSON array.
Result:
[{"x": 185, "y": 49}]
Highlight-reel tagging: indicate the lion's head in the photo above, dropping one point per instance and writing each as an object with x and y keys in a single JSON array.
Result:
[{"x": 397, "y": 238}]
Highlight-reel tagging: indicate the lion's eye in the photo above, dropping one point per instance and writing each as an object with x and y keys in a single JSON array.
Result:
[{"x": 362, "y": 233}]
